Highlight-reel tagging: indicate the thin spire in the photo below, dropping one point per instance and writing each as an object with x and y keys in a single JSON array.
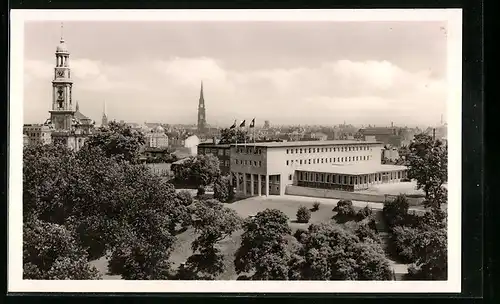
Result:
[
  {"x": 77, "y": 106},
  {"x": 62, "y": 32},
  {"x": 104, "y": 108}
]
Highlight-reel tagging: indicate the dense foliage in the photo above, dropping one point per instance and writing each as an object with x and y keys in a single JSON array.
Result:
[
  {"x": 330, "y": 252},
  {"x": 212, "y": 223},
  {"x": 51, "y": 252},
  {"x": 263, "y": 252},
  {"x": 427, "y": 162},
  {"x": 223, "y": 191},
  {"x": 200, "y": 170},
  {"x": 231, "y": 136},
  {"x": 111, "y": 207},
  {"x": 396, "y": 211},
  {"x": 119, "y": 141}
]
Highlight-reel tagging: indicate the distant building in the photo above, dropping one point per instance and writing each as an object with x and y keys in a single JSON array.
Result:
[
  {"x": 38, "y": 134},
  {"x": 388, "y": 136},
  {"x": 319, "y": 136},
  {"x": 192, "y": 142},
  {"x": 161, "y": 169},
  {"x": 104, "y": 120},
  {"x": 26, "y": 140},
  {"x": 267, "y": 125},
  {"x": 157, "y": 138},
  {"x": 391, "y": 154},
  {"x": 221, "y": 151}
]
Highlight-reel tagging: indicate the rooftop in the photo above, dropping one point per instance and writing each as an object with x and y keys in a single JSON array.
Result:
[
  {"x": 276, "y": 144},
  {"x": 354, "y": 169},
  {"x": 212, "y": 145}
]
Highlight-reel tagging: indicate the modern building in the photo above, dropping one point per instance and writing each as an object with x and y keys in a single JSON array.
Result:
[
  {"x": 69, "y": 126},
  {"x": 221, "y": 151},
  {"x": 267, "y": 168},
  {"x": 104, "y": 120}
]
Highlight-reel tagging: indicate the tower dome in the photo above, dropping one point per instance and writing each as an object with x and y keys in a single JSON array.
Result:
[
  {"x": 62, "y": 47},
  {"x": 159, "y": 129}
]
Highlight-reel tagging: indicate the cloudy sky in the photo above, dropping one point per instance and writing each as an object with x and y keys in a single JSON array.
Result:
[{"x": 285, "y": 72}]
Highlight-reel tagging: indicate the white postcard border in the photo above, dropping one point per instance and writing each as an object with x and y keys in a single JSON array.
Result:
[{"x": 454, "y": 109}]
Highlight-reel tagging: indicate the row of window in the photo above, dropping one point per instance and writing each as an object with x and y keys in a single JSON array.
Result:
[
  {"x": 253, "y": 163},
  {"x": 328, "y": 149},
  {"x": 249, "y": 150},
  {"x": 347, "y": 180},
  {"x": 329, "y": 160},
  {"x": 215, "y": 151}
]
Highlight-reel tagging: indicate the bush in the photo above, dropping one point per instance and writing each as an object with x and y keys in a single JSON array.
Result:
[
  {"x": 303, "y": 215},
  {"x": 298, "y": 234},
  {"x": 201, "y": 191},
  {"x": 344, "y": 208},
  {"x": 316, "y": 206},
  {"x": 364, "y": 213},
  {"x": 396, "y": 211},
  {"x": 404, "y": 242},
  {"x": 185, "y": 197}
]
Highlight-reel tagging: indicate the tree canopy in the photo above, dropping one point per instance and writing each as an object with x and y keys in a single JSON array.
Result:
[
  {"x": 329, "y": 251},
  {"x": 263, "y": 252},
  {"x": 427, "y": 160},
  {"x": 231, "y": 136},
  {"x": 118, "y": 140},
  {"x": 200, "y": 170}
]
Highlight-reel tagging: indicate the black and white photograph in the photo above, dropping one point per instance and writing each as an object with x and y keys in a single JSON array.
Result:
[{"x": 235, "y": 151}]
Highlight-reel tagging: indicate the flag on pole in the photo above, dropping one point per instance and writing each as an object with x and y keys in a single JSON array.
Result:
[
  {"x": 252, "y": 124},
  {"x": 234, "y": 125},
  {"x": 242, "y": 124}
]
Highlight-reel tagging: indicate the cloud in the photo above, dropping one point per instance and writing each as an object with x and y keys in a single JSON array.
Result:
[{"x": 168, "y": 90}]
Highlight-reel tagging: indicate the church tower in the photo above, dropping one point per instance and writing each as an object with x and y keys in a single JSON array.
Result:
[
  {"x": 62, "y": 104},
  {"x": 202, "y": 123},
  {"x": 104, "y": 121}
]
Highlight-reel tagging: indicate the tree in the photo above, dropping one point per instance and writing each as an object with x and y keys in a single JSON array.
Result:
[
  {"x": 230, "y": 136},
  {"x": 50, "y": 252},
  {"x": 212, "y": 223},
  {"x": 330, "y": 252},
  {"x": 263, "y": 250},
  {"x": 431, "y": 256},
  {"x": 223, "y": 191},
  {"x": 303, "y": 215},
  {"x": 201, "y": 170},
  {"x": 119, "y": 141},
  {"x": 345, "y": 211},
  {"x": 428, "y": 165},
  {"x": 185, "y": 198},
  {"x": 396, "y": 211}
]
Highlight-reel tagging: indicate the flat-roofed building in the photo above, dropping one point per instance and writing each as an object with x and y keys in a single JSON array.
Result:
[
  {"x": 221, "y": 151},
  {"x": 267, "y": 168}
]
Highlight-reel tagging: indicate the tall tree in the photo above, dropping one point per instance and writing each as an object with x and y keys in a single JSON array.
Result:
[
  {"x": 231, "y": 136},
  {"x": 212, "y": 223},
  {"x": 263, "y": 252},
  {"x": 223, "y": 191},
  {"x": 330, "y": 252},
  {"x": 50, "y": 252},
  {"x": 119, "y": 141},
  {"x": 428, "y": 164},
  {"x": 200, "y": 170}
]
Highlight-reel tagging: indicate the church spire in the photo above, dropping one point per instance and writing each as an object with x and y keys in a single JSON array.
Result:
[
  {"x": 202, "y": 100},
  {"x": 77, "y": 106},
  {"x": 62, "y": 32}
]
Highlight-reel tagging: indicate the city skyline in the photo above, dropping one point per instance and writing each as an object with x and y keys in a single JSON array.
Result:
[{"x": 249, "y": 69}]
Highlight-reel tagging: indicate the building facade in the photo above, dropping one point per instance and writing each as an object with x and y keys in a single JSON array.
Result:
[
  {"x": 157, "y": 138},
  {"x": 267, "y": 168},
  {"x": 221, "y": 151},
  {"x": 37, "y": 134}
]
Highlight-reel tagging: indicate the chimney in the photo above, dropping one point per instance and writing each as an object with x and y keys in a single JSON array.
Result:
[
  {"x": 392, "y": 124},
  {"x": 434, "y": 134}
]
